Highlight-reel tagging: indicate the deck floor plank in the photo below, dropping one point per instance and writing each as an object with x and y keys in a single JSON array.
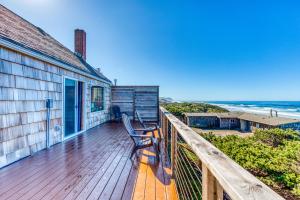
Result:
[
  {"x": 140, "y": 185},
  {"x": 75, "y": 191},
  {"x": 110, "y": 186},
  {"x": 33, "y": 168},
  {"x": 95, "y": 194},
  {"x": 89, "y": 187},
  {"x": 35, "y": 183},
  {"x": 150, "y": 189},
  {"x": 71, "y": 180},
  {"x": 160, "y": 181},
  {"x": 121, "y": 184},
  {"x": 26, "y": 181},
  {"x": 93, "y": 165},
  {"x": 131, "y": 181}
]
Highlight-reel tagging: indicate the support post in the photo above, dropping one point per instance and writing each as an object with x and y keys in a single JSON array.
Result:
[
  {"x": 165, "y": 132},
  {"x": 208, "y": 184},
  {"x": 160, "y": 118},
  {"x": 173, "y": 149},
  {"x": 220, "y": 190},
  {"x": 166, "y": 126}
]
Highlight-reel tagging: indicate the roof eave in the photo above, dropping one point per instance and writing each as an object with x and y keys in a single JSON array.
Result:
[{"x": 40, "y": 56}]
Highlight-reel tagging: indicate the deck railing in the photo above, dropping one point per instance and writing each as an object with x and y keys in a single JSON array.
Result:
[{"x": 201, "y": 171}]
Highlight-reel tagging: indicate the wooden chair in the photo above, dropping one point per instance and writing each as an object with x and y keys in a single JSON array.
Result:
[
  {"x": 148, "y": 126},
  {"x": 116, "y": 112},
  {"x": 140, "y": 140}
]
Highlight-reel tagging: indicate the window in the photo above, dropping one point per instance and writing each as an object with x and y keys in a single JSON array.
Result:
[{"x": 97, "y": 102}]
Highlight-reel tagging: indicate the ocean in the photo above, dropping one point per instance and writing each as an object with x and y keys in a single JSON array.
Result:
[{"x": 290, "y": 109}]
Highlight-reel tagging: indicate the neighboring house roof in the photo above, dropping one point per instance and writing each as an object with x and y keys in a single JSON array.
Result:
[
  {"x": 263, "y": 119},
  {"x": 268, "y": 120},
  {"x": 14, "y": 28},
  {"x": 219, "y": 115},
  {"x": 229, "y": 115},
  {"x": 200, "y": 114}
]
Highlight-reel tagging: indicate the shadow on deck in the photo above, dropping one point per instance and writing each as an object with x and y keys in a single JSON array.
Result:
[{"x": 93, "y": 165}]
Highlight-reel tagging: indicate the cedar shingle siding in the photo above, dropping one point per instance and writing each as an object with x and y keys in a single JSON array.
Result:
[
  {"x": 26, "y": 80},
  {"x": 24, "y": 86}
]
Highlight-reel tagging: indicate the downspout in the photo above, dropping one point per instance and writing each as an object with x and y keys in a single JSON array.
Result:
[{"x": 49, "y": 105}]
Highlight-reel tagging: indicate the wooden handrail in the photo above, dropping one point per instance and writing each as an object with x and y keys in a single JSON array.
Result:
[{"x": 219, "y": 172}]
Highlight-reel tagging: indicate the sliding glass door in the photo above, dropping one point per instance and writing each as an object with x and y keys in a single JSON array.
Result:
[
  {"x": 70, "y": 107},
  {"x": 73, "y": 107}
]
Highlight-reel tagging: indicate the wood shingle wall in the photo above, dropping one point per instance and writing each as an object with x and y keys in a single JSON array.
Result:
[{"x": 25, "y": 83}]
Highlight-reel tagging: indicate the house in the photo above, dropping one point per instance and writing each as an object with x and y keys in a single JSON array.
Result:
[
  {"x": 36, "y": 69},
  {"x": 250, "y": 122},
  {"x": 212, "y": 120},
  {"x": 48, "y": 90},
  {"x": 238, "y": 120}
]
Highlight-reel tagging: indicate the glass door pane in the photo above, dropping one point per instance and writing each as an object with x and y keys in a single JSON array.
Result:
[
  {"x": 80, "y": 106},
  {"x": 70, "y": 107}
]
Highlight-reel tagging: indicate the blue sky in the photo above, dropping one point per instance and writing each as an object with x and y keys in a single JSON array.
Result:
[{"x": 195, "y": 50}]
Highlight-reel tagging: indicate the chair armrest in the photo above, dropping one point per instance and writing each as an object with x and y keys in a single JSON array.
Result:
[
  {"x": 154, "y": 126},
  {"x": 142, "y": 136},
  {"x": 152, "y": 123},
  {"x": 145, "y": 129}
]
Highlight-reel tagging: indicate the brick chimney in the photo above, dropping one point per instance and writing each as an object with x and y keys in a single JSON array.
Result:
[{"x": 80, "y": 43}]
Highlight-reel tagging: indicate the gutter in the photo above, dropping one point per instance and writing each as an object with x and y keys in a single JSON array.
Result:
[{"x": 40, "y": 56}]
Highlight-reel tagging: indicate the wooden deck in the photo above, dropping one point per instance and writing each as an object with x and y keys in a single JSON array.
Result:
[{"x": 93, "y": 165}]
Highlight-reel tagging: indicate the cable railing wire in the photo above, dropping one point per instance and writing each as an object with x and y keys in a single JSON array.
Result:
[
  {"x": 194, "y": 162},
  {"x": 169, "y": 136},
  {"x": 194, "y": 181},
  {"x": 188, "y": 175},
  {"x": 189, "y": 183},
  {"x": 180, "y": 190}
]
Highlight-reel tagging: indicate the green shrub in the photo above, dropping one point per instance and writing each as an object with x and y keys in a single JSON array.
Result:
[
  {"x": 272, "y": 155},
  {"x": 178, "y": 109}
]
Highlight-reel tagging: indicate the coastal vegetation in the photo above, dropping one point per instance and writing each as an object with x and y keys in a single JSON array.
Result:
[
  {"x": 178, "y": 109},
  {"x": 271, "y": 155}
]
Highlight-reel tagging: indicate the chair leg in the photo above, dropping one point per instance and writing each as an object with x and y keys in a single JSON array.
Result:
[
  {"x": 158, "y": 147},
  {"x": 133, "y": 151},
  {"x": 157, "y": 152},
  {"x": 159, "y": 134}
]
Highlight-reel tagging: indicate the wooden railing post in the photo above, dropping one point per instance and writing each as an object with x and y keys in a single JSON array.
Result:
[
  {"x": 165, "y": 132},
  {"x": 160, "y": 118},
  {"x": 166, "y": 127},
  {"x": 220, "y": 190},
  {"x": 173, "y": 149},
  {"x": 208, "y": 184}
]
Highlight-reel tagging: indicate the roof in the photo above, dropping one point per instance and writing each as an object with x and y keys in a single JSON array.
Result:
[
  {"x": 219, "y": 115},
  {"x": 263, "y": 119},
  {"x": 17, "y": 30},
  {"x": 268, "y": 120}
]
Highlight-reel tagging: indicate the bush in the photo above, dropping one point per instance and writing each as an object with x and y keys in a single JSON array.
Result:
[
  {"x": 272, "y": 155},
  {"x": 178, "y": 109}
]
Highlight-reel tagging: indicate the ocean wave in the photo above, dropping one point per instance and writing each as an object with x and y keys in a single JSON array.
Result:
[{"x": 283, "y": 111}]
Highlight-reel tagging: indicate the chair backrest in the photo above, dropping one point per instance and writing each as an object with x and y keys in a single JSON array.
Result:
[
  {"x": 116, "y": 111},
  {"x": 140, "y": 119},
  {"x": 127, "y": 124}
]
